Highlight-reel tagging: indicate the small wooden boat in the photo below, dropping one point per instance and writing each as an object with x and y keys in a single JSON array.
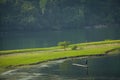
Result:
[{"x": 85, "y": 66}]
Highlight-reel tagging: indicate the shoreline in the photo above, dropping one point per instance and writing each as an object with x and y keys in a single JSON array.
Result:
[
  {"x": 11, "y": 61},
  {"x": 64, "y": 58},
  {"x": 92, "y": 55}
]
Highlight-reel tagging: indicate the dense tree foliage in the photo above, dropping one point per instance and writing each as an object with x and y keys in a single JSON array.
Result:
[{"x": 33, "y": 15}]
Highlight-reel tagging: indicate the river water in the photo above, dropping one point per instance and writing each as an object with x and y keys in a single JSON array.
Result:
[
  {"x": 94, "y": 68},
  {"x": 22, "y": 40}
]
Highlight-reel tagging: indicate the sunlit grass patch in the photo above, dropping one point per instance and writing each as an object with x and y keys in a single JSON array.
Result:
[
  {"x": 98, "y": 43},
  {"x": 26, "y": 50},
  {"x": 52, "y": 53},
  {"x": 18, "y": 59},
  {"x": 87, "y": 44}
]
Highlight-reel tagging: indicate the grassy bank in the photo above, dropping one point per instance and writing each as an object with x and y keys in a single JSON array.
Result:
[
  {"x": 4, "y": 52},
  {"x": 32, "y": 56}
]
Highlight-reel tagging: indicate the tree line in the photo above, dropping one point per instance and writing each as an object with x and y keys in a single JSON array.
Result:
[{"x": 36, "y": 15}]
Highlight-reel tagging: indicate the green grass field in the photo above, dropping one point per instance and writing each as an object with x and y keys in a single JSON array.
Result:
[{"x": 36, "y": 55}]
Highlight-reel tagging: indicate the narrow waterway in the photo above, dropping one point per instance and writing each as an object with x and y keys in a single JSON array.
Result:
[{"x": 82, "y": 68}]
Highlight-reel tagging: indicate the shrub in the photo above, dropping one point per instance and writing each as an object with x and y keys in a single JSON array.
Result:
[{"x": 74, "y": 47}]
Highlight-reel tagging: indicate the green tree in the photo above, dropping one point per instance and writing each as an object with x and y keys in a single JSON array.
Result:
[
  {"x": 64, "y": 44},
  {"x": 74, "y": 47}
]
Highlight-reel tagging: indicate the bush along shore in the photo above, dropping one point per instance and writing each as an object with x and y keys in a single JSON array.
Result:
[{"x": 13, "y": 58}]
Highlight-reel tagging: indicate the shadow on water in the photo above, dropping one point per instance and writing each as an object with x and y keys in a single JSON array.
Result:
[{"x": 83, "y": 68}]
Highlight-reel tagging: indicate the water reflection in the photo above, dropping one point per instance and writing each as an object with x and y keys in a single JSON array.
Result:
[{"x": 99, "y": 68}]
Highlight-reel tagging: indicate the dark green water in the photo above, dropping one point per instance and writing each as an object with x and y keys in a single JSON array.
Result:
[
  {"x": 99, "y": 68},
  {"x": 21, "y": 40}
]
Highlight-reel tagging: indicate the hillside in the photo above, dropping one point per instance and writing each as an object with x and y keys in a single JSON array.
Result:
[{"x": 37, "y": 15}]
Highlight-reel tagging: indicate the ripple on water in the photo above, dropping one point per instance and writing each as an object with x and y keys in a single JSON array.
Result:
[
  {"x": 20, "y": 76},
  {"x": 9, "y": 72},
  {"x": 65, "y": 70}
]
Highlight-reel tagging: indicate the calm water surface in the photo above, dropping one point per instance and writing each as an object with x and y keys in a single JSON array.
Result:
[
  {"x": 21, "y": 40},
  {"x": 99, "y": 68}
]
